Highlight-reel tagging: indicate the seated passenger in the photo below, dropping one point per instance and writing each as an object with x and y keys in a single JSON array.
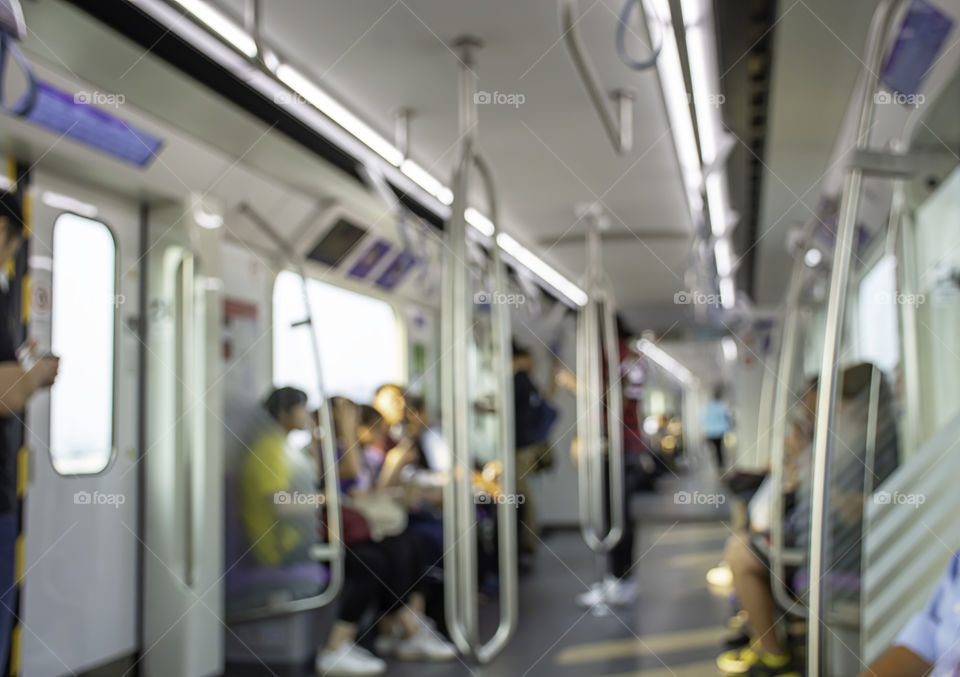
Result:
[
  {"x": 747, "y": 554},
  {"x": 282, "y": 531},
  {"x": 379, "y": 547},
  {"x": 928, "y": 643}
]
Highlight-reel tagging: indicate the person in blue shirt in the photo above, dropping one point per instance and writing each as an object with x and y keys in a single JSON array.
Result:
[
  {"x": 717, "y": 422},
  {"x": 929, "y": 643}
]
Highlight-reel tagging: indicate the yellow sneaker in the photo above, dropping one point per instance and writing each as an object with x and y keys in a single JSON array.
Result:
[{"x": 751, "y": 659}]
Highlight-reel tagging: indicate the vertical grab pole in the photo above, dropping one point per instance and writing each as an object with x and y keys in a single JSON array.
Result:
[
  {"x": 333, "y": 553},
  {"x": 506, "y": 512},
  {"x": 597, "y": 317},
  {"x": 460, "y": 565},
  {"x": 827, "y": 395}
]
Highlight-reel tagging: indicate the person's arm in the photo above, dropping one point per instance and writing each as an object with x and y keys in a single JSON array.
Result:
[
  {"x": 394, "y": 462},
  {"x": 899, "y": 661},
  {"x": 345, "y": 422},
  {"x": 915, "y": 648},
  {"x": 18, "y": 386}
]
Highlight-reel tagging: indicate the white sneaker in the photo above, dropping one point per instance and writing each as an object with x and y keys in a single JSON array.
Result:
[
  {"x": 621, "y": 592},
  {"x": 349, "y": 660},
  {"x": 426, "y": 645},
  {"x": 386, "y": 645},
  {"x": 593, "y": 596},
  {"x": 597, "y": 594}
]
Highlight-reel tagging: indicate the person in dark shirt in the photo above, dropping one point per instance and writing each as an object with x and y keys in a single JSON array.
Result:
[
  {"x": 18, "y": 382},
  {"x": 533, "y": 418}
]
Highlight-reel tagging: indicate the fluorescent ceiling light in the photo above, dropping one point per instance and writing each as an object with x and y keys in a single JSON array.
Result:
[
  {"x": 677, "y": 102},
  {"x": 537, "y": 266},
  {"x": 716, "y": 186},
  {"x": 813, "y": 257},
  {"x": 70, "y": 204},
  {"x": 479, "y": 221},
  {"x": 665, "y": 360},
  {"x": 729, "y": 347},
  {"x": 728, "y": 293},
  {"x": 221, "y": 25},
  {"x": 205, "y": 219},
  {"x": 427, "y": 181},
  {"x": 724, "y": 257},
  {"x": 327, "y": 105},
  {"x": 704, "y": 74}
]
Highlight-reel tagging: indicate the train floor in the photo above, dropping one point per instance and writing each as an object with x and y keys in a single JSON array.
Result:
[{"x": 675, "y": 628}]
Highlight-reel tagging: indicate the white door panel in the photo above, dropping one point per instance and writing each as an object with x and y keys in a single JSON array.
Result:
[{"x": 80, "y": 595}]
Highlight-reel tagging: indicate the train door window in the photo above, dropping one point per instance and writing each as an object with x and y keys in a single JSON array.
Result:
[
  {"x": 360, "y": 341},
  {"x": 82, "y": 335}
]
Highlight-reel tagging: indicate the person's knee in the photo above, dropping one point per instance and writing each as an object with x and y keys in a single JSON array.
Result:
[{"x": 734, "y": 550}]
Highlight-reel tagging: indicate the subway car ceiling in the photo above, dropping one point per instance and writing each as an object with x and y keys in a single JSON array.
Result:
[
  {"x": 288, "y": 171},
  {"x": 226, "y": 137}
]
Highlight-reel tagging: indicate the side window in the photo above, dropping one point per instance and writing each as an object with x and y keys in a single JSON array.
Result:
[
  {"x": 360, "y": 340},
  {"x": 84, "y": 311},
  {"x": 878, "y": 322}
]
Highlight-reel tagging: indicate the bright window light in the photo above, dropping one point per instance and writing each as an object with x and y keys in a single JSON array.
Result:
[
  {"x": 221, "y": 25},
  {"x": 84, "y": 307},
  {"x": 373, "y": 332},
  {"x": 427, "y": 181},
  {"x": 537, "y": 266},
  {"x": 327, "y": 105},
  {"x": 479, "y": 221}
]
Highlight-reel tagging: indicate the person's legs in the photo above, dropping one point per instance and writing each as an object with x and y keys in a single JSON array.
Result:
[
  {"x": 8, "y": 588},
  {"x": 621, "y": 556},
  {"x": 527, "y": 529},
  {"x": 717, "y": 443},
  {"x": 405, "y": 631},
  {"x": 751, "y": 579}
]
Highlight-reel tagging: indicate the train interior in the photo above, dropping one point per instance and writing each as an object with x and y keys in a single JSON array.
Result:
[{"x": 754, "y": 204}]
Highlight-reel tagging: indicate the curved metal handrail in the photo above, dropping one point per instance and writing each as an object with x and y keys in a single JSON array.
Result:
[
  {"x": 619, "y": 127},
  {"x": 459, "y": 515},
  {"x": 788, "y": 350},
  {"x": 827, "y": 394},
  {"x": 598, "y": 317},
  {"x": 333, "y": 551}
]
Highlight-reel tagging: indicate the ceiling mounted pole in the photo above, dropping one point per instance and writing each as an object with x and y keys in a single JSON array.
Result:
[{"x": 457, "y": 328}]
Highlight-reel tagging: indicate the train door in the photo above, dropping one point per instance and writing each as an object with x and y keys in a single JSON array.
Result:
[{"x": 79, "y": 606}]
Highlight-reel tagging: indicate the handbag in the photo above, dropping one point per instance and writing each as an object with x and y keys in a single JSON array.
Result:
[{"x": 384, "y": 516}]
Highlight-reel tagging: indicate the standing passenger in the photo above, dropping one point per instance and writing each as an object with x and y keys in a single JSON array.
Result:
[
  {"x": 717, "y": 422},
  {"x": 17, "y": 384},
  {"x": 533, "y": 418}
]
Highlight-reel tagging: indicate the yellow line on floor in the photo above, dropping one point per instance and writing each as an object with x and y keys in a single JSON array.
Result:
[
  {"x": 650, "y": 645},
  {"x": 686, "y": 670}
]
